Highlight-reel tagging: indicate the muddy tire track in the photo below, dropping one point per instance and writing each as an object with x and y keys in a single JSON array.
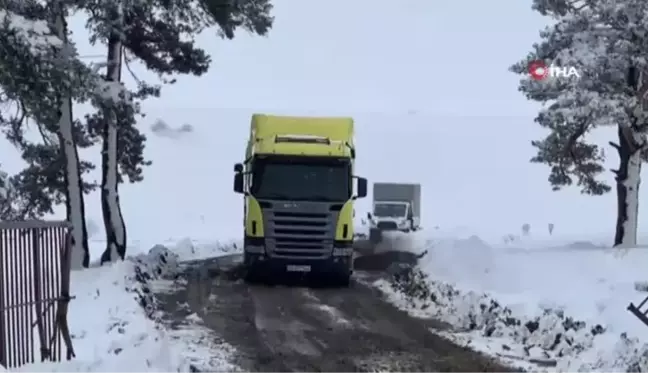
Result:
[{"x": 293, "y": 327}]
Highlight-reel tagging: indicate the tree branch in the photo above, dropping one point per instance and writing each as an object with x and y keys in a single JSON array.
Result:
[
  {"x": 628, "y": 135},
  {"x": 127, "y": 63},
  {"x": 569, "y": 146}
]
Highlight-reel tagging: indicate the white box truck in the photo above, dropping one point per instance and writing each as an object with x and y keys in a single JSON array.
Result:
[{"x": 396, "y": 207}]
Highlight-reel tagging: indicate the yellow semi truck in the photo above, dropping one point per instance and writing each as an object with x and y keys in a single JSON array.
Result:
[{"x": 298, "y": 184}]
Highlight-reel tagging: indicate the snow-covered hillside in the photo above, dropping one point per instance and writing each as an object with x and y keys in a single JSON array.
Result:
[{"x": 471, "y": 180}]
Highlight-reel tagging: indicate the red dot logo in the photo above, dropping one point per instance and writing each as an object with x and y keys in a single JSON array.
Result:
[{"x": 538, "y": 70}]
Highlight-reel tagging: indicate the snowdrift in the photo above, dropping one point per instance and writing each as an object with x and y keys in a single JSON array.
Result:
[
  {"x": 114, "y": 321},
  {"x": 545, "y": 337}
]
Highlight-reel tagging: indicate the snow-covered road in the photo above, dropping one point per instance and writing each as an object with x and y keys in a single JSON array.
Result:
[{"x": 299, "y": 328}]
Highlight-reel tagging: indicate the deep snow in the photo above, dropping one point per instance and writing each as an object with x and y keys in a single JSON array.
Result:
[
  {"x": 114, "y": 324},
  {"x": 557, "y": 302}
]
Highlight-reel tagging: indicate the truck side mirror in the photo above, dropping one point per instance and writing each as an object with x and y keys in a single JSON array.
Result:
[
  {"x": 238, "y": 168},
  {"x": 362, "y": 187},
  {"x": 238, "y": 182},
  {"x": 369, "y": 216}
]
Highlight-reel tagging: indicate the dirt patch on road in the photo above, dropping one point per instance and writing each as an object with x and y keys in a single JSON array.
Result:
[{"x": 298, "y": 328}]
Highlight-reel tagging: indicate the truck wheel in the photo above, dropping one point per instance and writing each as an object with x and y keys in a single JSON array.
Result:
[
  {"x": 375, "y": 236},
  {"x": 255, "y": 276},
  {"x": 252, "y": 278}
]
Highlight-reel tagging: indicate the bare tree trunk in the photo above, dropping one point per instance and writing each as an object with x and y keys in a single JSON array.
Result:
[
  {"x": 628, "y": 179},
  {"x": 73, "y": 192},
  {"x": 112, "y": 214}
]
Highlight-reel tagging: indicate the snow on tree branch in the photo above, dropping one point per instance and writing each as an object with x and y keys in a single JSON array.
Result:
[
  {"x": 34, "y": 33},
  {"x": 608, "y": 42}
]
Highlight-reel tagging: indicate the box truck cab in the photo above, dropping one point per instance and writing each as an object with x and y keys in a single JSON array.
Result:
[
  {"x": 298, "y": 185},
  {"x": 396, "y": 207},
  {"x": 395, "y": 215}
]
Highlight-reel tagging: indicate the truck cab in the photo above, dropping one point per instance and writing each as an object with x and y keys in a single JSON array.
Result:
[
  {"x": 396, "y": 207},
  {"x": 393, "y": 216},
  {"x": 298, "y": 185}
]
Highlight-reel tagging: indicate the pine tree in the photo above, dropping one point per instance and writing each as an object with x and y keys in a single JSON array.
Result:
[
  {"x": 605, "y": 41},
  {"x": 160, "y": 34},
  {"x": 40, "y": 72}
]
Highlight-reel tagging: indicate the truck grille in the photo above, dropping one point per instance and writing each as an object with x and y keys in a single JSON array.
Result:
[
  {"x": 387, "y": 225},
  {"x": 300, "y": 234}
]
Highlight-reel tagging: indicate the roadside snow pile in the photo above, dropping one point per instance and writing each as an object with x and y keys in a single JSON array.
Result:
[
  {"x": 194, "y": 346},
  {"x": 159, "y": 263},
  {"x": 110, "y": 320},
  {"x": 114, "y": 322},
  {"x": 546, "y": 338}
]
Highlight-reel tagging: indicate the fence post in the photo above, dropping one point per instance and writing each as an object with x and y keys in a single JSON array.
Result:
[
  {"x": 3, "y": 327},
  {"x": 64, "y": 299},
  {"x": 38, "y": 293}
]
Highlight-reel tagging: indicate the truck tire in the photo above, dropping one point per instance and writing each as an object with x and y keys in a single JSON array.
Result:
[
  {"x": 375, "y": 236},
  {"x": 252, "y": 277},
  {"x": 255, "y": 275}
]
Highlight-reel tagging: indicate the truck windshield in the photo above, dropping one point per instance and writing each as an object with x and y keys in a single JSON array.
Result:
[
  {"x": 301, "y": 180},
  {"x": 390, "y": 210}
]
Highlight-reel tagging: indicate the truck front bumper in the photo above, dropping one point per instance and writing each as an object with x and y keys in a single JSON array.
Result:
[
  {"x": 340, "y": 260},
  {"x": 258, "y": 262}
]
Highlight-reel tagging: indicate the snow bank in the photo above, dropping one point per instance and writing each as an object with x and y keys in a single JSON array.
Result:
[
  {"x": 539, "y": 338},
  {"x": 159, "y": 263},
  {"x": 110, "y": 318},
  {"x": 544, "y": 334}
]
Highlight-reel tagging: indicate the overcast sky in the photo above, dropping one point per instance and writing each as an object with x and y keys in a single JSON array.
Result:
[{"x": 448, "y": 57}]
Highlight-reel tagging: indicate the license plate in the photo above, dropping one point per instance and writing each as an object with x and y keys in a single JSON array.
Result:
[{"x": 297, "y": 268}]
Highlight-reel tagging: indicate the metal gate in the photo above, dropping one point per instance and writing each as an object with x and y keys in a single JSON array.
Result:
[{"x": 34, "y": 291}]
